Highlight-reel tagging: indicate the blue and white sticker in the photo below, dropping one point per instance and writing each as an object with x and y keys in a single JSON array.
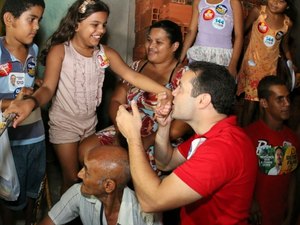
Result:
[
  {"x": 269, "y": 41},
  {"x": 221, "y": 9},
  {"x": 31, "y": 69},
  {"x": 219, "y": 23},
  {"x": 16, "y": 80}
]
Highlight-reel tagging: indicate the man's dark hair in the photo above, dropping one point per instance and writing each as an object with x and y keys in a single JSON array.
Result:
[
  {"x": 263, "y": 89},
  {"x": 216, "y": 81},
  {"x": 17, "y": 7}
]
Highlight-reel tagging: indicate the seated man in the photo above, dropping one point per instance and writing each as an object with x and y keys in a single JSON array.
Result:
[{"x": 102, "y": 197}]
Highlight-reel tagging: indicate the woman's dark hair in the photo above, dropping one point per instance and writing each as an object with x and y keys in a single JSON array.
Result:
[
  {"x": 173, "y": 31},
  {"x": 79, "y": 11}
]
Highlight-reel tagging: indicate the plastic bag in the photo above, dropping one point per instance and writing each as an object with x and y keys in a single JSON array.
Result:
[{"x": 9, "y": 182}]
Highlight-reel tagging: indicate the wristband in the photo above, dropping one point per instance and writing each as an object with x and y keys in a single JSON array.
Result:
[{"x": 36, "y": 103}]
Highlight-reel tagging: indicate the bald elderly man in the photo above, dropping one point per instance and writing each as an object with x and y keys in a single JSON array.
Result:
[{"x": 103, "y": 197}]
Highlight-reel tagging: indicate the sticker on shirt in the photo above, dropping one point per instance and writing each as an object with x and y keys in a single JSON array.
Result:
[
  {"x": 5, "y": 69},
  {"x": 31, "y": 69},
  {"x": 16, "y": 80},
  {"x": 279, "y": 35},
  {"x": 276, "y": 160},
  {"x": 221, "y": 9},
  {"x": 208, "y": 14},
  {"x": 251, "y": 62},
  {"x": 219, "y": 23},
  {"x": 262, "y": 27},
  {"x": 103, "y": 60},
  {"x": 269, "y": 41},
  {"x": 17, "y": 91}
]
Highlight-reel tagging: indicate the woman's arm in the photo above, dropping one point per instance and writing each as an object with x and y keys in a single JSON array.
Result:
[
  {"x": 123, "y": 70},
  {"x": 252, "y": 16},
  {"x": 238, "y": 35},
  {"x": 192, "y": 31}
]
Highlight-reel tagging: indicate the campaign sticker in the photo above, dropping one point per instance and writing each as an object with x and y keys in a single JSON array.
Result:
[
  {"x": 208, "y": 14},
  {"x": 262, "y": 27},
  {"x": 17, "y": 91},
  {"x": 279, "y": 35},
  {"x": 16, "y": 80},
  {"x": 221, "y": 9},
  {"x": 103, "y": 60},
  {"x": 269, "y": 40},
  {"x": 5, "y": 69},
  {"x": 219, "y": 23},
  {"x": 31, "y": 66}
]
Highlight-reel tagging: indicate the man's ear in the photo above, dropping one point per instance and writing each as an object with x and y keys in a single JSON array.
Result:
[
  {"x": 8, "y": 18},
  {"x": 263, "y": 103},
  {"x": 204, "y": 100},
  {"x": 109, "y": 185}
]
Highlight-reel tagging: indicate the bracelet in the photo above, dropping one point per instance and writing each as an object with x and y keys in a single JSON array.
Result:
[{"x": 36, "y": 103}]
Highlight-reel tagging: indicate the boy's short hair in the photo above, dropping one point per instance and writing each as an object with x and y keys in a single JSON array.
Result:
[
  {"x": 17, "y": 7},
  {"x": 263, "y": 89}
]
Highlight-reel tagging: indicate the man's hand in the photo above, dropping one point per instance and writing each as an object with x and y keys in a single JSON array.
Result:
[
  {"x": 129, "y": 124},
  {"x": 164, "y": 104}
]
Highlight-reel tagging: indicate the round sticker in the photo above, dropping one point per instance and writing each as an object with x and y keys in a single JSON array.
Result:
[
  {"x": 279, "y": 35},
  {"x": 5, "y": 69},
  {"x": 219, "y": 23},
  {"x": 221, "y": 9},
  {"x": 31, "y": 68},
  {"x": 17, "y": 91},
  {"x": 269, "y": 40},
  {"x": 208, "y": 14},
  {"x": 262, "y": 27}
]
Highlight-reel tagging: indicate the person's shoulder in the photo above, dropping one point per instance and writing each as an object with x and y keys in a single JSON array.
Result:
[
  {"x": 253, "y": 126},
  {"x": 57, "y": 50}
]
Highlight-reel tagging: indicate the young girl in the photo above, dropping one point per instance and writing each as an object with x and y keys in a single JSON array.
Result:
[
  {"x": 163, "y": 47},
  {"x": 269, "y": 26},
  {"x": 74, "y": 75},
  {"x": 213, "y": 22}
]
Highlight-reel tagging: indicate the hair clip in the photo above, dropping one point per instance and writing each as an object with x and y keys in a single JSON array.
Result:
[{"x": 82, "y": 7}]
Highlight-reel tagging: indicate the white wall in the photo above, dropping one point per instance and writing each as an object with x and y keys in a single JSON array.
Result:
[{"x": 120, "y": 23}]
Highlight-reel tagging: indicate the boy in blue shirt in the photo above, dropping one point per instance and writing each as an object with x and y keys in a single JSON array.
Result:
[{"x": 18, "y": 63}]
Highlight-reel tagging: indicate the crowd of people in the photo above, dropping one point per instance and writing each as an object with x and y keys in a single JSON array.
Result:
[{"x": 177, "y": 139}]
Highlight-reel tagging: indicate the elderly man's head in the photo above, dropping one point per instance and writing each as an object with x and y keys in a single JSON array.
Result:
[{"x": 106, "y": 169}]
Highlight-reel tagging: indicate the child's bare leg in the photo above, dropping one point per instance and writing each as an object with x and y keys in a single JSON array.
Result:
[{"x": 68, "y": 158}]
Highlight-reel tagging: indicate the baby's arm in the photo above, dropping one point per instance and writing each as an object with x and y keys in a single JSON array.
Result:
[{"x": 192, "y": 31}]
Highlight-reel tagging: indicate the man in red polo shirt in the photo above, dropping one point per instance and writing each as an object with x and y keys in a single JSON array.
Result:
[{"x": 214, "y": 171}]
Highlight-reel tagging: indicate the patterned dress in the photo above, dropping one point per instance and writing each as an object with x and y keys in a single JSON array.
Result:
[
  {"x": 261, "y": 56},
  {"x": 146, "y": 103}
]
